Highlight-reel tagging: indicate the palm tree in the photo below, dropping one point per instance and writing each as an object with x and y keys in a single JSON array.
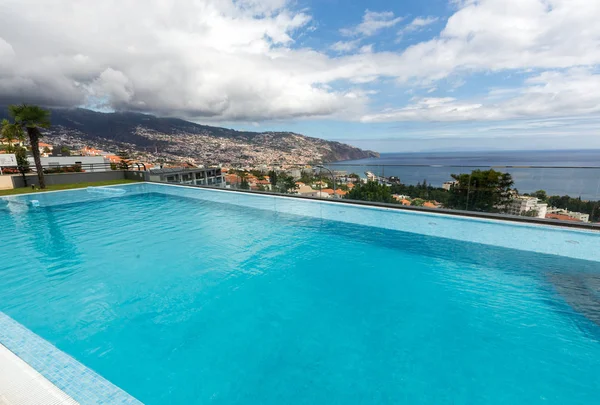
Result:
[
  {"x": 32, "y": 118},
  {"x": 11, "y": 133}
]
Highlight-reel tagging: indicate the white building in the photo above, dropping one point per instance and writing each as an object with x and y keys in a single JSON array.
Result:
[
  {"x": 307, "y": 191},
  {"x": 571, "y": 214},
  {"x": 448, "y": 185},
  {"x": 211, "y": 176},
  {"x": 522, "y": 204}
]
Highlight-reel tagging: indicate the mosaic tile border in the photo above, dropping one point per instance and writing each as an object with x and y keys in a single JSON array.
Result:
[{"x": 73, "y": 378}]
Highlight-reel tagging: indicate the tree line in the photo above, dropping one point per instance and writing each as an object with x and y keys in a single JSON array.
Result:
[{"x": 480, "y": 190}]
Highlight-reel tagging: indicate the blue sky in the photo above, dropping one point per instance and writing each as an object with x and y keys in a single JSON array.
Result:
[{"x": 386, "y": 75}]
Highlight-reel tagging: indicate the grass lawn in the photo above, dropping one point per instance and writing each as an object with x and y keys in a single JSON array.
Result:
[{"x": 27, "y": 190}]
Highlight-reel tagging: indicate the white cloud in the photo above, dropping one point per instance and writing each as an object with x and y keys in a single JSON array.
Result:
[
  {"x": 419, "y": 23},
  {"x": 509, "y": 34},
  {"x": 372, "y": 23},
  {"x": 549, "y": 94},
  {"x": 240, "y": 59},
  {"x": 345, "y": 46},
  {"x": 223, "y": 59}
]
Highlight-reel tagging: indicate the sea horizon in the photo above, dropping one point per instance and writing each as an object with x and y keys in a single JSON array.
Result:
[{"x": 573, "y": 172}]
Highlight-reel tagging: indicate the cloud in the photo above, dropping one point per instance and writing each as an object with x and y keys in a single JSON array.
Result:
[
  {"x": 495, "y": 35},
  {"x": 219, "y": 59},
  {"x": 345, "y": 46},
  {"x": 418, "y": 24},
  {"x": 244, "y": 60},
  {"x": 372, "y": 23},
  {"x": 548, "y": 94}
]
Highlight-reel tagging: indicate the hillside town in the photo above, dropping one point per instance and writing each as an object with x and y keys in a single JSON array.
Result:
[{"x": 201, "y": 147}]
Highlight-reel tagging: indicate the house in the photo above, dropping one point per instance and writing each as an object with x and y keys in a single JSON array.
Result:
[
  {"x": 449, "y": 184},
  {"x": 561, "y": 217},
  {"x": 87, "y": 151},
  {"x": 400, "y": 197},
  {"x": 211, "y": 176},
  {"x": 566, "y": 215},
  {"x": 45, "y": 149}
]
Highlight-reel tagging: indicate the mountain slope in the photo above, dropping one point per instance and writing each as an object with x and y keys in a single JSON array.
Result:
[{"x": 173, "y": 136}]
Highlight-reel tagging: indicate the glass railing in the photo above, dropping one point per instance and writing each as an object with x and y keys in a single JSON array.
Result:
[{"x": 570, "y": 195}]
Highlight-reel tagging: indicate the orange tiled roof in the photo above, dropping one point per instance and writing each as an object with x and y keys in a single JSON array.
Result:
[
  {"x": 429, "y": 205},
  {"x": 113, "y": 158},
  {"x": 562, "y": 217},
  {"x": 405, "y": 202}
]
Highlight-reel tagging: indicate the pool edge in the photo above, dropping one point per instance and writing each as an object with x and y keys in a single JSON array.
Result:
[{"x": 75, "y": 380}]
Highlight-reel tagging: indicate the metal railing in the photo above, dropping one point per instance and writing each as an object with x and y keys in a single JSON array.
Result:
[
  {"x": 567, "y": 195},
  {"x": 75, "y": 168}
]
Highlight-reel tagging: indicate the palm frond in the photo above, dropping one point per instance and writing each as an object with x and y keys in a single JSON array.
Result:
[{"x": 30, "y": 115}]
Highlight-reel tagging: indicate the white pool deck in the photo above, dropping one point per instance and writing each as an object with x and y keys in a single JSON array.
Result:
[{"x": 20, "y": 384}]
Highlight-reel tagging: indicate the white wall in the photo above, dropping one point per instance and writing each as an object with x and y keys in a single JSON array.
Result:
[{"x": 72, "y": 160}]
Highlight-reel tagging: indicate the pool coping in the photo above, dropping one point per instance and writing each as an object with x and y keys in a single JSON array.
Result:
[{"x": 21, "y": 383}]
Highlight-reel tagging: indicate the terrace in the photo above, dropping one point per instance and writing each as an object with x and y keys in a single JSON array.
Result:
[{"x": 166, "y": 293}]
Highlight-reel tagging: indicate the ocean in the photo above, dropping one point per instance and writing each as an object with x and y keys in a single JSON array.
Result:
[{"x": 559, "y": 172}]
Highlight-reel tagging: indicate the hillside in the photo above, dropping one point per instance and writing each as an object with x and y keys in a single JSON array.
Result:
[{"x": 168, "y": 137}]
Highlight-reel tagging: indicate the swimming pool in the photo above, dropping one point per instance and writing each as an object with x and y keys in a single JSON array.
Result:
[{"x": 188, "y": 296}]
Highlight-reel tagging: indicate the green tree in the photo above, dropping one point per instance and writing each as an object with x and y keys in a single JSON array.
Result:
[
  {"x": 371, "y": 191},
  {"x": 11, "y": 133},
  {"x": 286, "y": 184},
  {"x": 482, "y": 190},
  {"x": 417, "y": 202},
  {"x": 244, "y": 185},
  {"x": 22, "y": 162},
  {"x": 541, "y": 194},
  {"x": 65, "y": 151},
  {"x": 125, "y": 159},
  {"x": 273, "y": 177},
  {"x": 32, "y": 118}
]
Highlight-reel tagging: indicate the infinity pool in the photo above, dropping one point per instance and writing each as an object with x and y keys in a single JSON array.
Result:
[{"x": 181, "y": 300}]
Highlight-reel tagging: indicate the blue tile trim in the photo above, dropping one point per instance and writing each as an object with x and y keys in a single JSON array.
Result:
[{"x": 79, "y": 382}]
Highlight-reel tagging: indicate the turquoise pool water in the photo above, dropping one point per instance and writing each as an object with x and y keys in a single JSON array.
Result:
[{"x": 185, "y": 301}]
